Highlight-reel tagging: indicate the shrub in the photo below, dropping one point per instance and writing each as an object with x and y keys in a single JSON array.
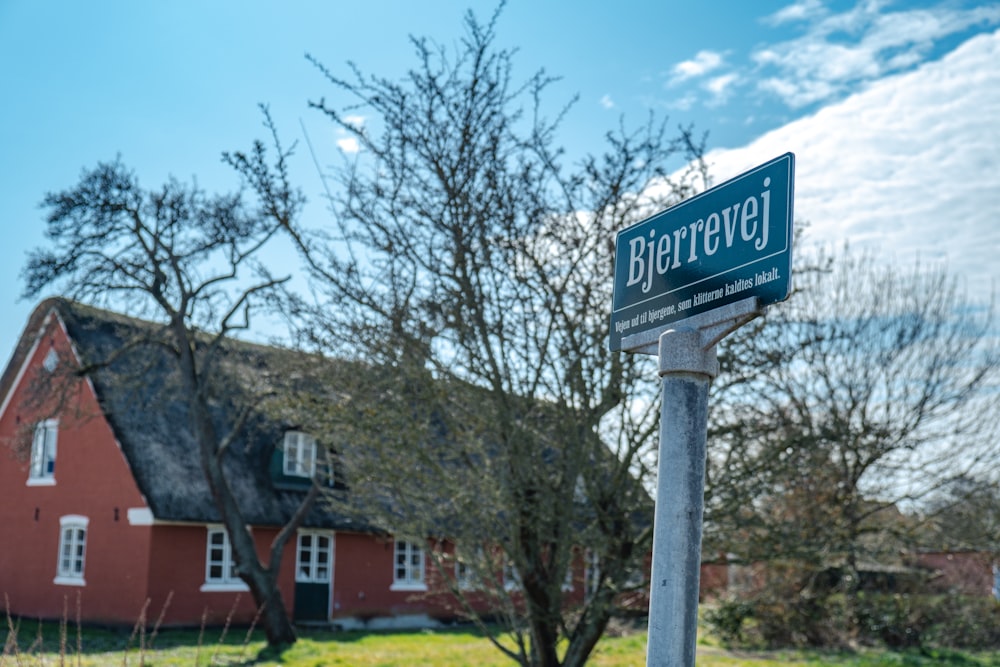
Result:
[{"x": 896, "y": 621}]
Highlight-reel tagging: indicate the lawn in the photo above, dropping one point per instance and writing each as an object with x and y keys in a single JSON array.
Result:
[{"x": 39, "y": 645}]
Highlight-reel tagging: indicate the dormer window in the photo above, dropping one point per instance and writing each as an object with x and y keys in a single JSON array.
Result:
[
  {"x": 43, "y": 453},
  {"x": 300, "y": 454}
]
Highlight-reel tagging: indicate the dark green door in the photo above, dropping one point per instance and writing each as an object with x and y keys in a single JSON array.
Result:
[
  {"x": 313, "y": 575},
  {"x": 312, "y": 602}
]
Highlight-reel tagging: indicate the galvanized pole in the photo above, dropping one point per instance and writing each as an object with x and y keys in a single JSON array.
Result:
[
  {"x": 686, "y": 371},
  {"x": 688, "y": 363}
]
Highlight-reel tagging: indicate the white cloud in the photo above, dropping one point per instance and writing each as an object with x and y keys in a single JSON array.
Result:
[
  {"x": 839, "y": 52},
  {"x": 345, "y": 141},
  {"x": 703, "y": 63},
  {"x": 348, "y": 144},
  {"x": 798, "y": 11},
  {"x": 719, "y": 87},
  {"x": 607, "y": 102},
  {"x": 355, "y": 121},
  {"x": 906, "y": 168}
]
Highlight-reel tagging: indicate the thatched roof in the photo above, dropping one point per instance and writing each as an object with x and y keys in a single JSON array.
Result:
[{"x": 141, "y": 399}]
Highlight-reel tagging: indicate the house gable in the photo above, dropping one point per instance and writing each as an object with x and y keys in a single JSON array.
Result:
[{"x": 64, "y": 532}]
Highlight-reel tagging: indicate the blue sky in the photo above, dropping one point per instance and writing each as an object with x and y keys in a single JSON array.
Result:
[{"x": 892, "y": 108}]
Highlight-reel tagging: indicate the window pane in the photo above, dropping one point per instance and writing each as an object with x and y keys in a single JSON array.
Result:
[
  {"x": 43, "y": 450},
  {"x": 220, "y": 566},
  {"x": 72, "y": 546}
]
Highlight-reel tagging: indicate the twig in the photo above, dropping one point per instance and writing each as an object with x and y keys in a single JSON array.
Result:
[
  {"x": 253, "y": 625},
  {"x": 79, "y": 632},
  {"x": 159, "y": 619},
  {"x": 11, "y": 635},
  {"x": 139, "y": 623},
  {"x": 225, "y": 628},
  {"x": 201, "y": 634}
]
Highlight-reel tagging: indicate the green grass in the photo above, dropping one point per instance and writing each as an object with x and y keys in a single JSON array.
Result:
[{"x": 318, "y": 648}]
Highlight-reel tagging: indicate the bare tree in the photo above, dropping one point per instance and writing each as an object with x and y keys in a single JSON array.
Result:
[
  {"x": 965, "y": 515},
  {"x": 190, "y": 262},
  {"x": 862, "y": 395},
  {"x": 472, "y": 273}
]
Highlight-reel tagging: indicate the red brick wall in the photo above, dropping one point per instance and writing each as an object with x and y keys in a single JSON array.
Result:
[
  {"x": 966, "y": 573},
  {"x": 363, "y": 573},
  {"x": 177, "y": 566},
  {"x": 92, "y": 479}
]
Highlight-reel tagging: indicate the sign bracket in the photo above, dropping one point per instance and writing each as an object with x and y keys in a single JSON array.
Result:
[{"x": 712, "y": 326}]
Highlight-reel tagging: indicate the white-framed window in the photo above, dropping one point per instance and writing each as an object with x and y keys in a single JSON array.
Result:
[
  {"x": 567, "y": 584},
  {"x": 72, "y": 550},
  {"x": 465, "y": 574},
  {"x": 408, "y": 567},
  {"x": 300, "y": 454},
  {"x": 220, "y": 565},
  {"x": 43, "y": 453},
  {"x": 314, "y": 557},
  {"x": 511, "y": 577}
]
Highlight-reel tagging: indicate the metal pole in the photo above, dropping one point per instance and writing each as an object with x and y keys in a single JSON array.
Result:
[
  {"x": 686, "y": 371},
  {"x": 688, "y": 363}
]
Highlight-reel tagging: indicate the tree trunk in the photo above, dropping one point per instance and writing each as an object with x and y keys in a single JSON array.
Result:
[
  {"x": 274, "y": 618},
  {"x": 262, "y": 581}
]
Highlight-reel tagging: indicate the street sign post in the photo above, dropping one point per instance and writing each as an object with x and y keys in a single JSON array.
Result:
[
  {"x": 684, "y": 279},
  {"x": 730, "y": 242}
]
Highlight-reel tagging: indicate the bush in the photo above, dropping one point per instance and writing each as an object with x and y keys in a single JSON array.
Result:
[
  {"x": 897, "y": 621},
  {"x": 891, "y": 620},
  {"x": 964, "y": 622},
  {"x": 769, "y": 622},
  {"x": 952, "y": 621}
]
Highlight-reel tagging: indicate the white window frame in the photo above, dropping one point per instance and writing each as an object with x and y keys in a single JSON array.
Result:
[
  {"x": 44, "y": 447},
  {"x": 567, "y": 584},
  {"x": 309, "y": 559},
  {"x": 408, "y": 567},
  {"x": 465, "y": 574},
  {"x": 72, "y": 554},
  {"x": 299, "y": 459},
  {"x": 228, "y": 580},
  {"x": 511, "y": 577}
]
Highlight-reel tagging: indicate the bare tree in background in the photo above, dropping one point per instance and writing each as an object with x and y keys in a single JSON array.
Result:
[
  {"x": 965, "y": 515},
  {"x": 863, "y": 394},
  {"x": 473, "y": 273},
  {"x": 190, "y": 262}
]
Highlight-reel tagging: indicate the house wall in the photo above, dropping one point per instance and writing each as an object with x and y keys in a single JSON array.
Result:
[
  {"x": 962, "y": 572},
  {"x": 363, "y": 575},
  {"x": 713, "y": 580},
  {"x": 177, "y": 573},
  {"x": 92, "y": 479}
]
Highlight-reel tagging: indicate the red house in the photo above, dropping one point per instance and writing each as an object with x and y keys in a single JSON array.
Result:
[{"x": 105, "y": 505}]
